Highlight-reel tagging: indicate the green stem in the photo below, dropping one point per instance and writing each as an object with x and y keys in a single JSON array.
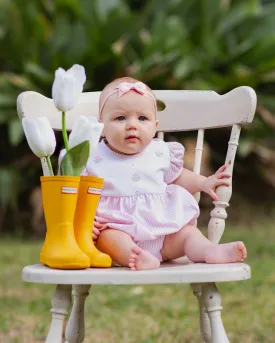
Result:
[
  {"x": 49, "y": 165},
  {"x": 64, "y": 132}
]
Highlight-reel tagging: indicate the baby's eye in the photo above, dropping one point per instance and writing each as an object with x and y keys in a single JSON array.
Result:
[
  {"x": 142, "y": 118},
  {"x": 120, "y": 118}
]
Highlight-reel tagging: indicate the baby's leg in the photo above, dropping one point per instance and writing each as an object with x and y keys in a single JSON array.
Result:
[
  {"x": 191, "y": 242},
  {"x": 120, "y": 246}
]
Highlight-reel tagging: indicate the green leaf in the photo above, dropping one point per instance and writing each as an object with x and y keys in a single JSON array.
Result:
[
  {"x": 38, "y": 72},
  {"x": 185, "y": 66},
  {"x": 105, "y": 7},
  {"x": 75, "y": 159},
  {"x": 15, "y": 132},
  {"x": 9, "y": 178},
  {"x": 8, "y": 79},
  {"x": 160, "y": 105},
  {"x": 7, "y": 100},
  {"x": 78, "y": 41}
]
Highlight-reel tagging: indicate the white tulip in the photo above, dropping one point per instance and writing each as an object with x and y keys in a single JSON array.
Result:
[
  {"x": 67, "y": 87},
  {"x": 40, "y": 136},
  {"x": 86, "y": 128}
]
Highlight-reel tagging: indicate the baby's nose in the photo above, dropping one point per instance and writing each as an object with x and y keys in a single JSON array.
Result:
[{"x": 132, "y": 124}]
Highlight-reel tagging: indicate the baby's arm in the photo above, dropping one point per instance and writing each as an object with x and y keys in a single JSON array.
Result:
[
  {"x": 194, "y": 183},
  {"x": 190, "y": 181}
]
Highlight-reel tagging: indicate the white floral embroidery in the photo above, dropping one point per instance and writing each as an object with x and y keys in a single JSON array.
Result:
[
  {"x": 135, "y": 177},
  {"x": 158, "y": 153},
  {"x": 97, "y": 159}
]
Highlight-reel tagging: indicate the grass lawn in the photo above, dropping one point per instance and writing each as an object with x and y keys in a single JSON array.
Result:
[{"x": 143, "y": 314}]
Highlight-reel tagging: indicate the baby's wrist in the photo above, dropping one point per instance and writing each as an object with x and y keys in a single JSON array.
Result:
[{"x": 202, "y": 181}]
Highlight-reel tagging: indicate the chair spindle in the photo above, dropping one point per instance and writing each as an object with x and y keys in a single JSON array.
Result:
[
  {"x": 218, "y": 214},
  {"x": 61, "y": 303}
]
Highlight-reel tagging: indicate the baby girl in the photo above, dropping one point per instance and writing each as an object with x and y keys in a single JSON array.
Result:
[{"x": 147, "y": 213}]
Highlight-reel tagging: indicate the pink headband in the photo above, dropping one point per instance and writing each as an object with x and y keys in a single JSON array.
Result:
[{"x": 124, "y": 87}]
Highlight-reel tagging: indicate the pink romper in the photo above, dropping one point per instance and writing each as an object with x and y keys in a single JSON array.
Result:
[{"x": 139, "y": 196}]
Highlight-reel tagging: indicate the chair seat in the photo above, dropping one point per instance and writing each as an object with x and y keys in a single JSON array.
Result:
[{"x": 177, "y": 271}]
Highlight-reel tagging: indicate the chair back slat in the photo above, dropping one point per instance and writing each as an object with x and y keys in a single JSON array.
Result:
[
  {"x": 185, "y": 110},
  {"x": 160, "y": 135},
  {"x": 198, "y": 158}
]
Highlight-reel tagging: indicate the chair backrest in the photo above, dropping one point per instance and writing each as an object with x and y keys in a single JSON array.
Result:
[{"x": 185, "y": 111}]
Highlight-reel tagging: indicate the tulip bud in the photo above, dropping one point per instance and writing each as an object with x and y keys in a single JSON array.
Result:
[
  {"x": 67, "y": 87},
  {"x": 86, "y": 128},
  {"x": 40, "y": 136}
]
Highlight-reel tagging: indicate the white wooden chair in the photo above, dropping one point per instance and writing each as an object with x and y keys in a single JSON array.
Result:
[{"x": 185, "y": 111}]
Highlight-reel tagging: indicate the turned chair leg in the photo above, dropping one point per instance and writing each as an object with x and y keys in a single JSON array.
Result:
[
  {"x": 61, "y": 302},
  {"x": 205, "y": 328},
  {"x": 75, "y": 330},
  {"x": 212, "y": 303}
]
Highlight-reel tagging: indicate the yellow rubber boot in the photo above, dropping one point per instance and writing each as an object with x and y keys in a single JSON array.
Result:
[
  {"x": 87, "y": 201},
  {"x": 60, "y": 250}
]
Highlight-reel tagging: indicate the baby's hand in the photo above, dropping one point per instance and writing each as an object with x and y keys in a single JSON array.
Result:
[
  {"x": 212, "y": 182},
  {"x": 96, "y": 232}
]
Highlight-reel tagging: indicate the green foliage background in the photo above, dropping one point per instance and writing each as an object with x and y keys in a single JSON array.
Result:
[{"x": 175, "y": 44}]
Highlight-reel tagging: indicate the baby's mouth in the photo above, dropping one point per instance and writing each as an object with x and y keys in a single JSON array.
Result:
[{"x": 131, "y": 137}]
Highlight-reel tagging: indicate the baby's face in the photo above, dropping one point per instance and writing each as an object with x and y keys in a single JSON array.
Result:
[{"x": 129, "y": 122}]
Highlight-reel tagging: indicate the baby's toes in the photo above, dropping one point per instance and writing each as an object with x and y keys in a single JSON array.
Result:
[
  {"x": 132, "y": 265},
  {"x": 136, "y": 250},
  {"x": 132, "y": 259},
  {"x": 242, "y": 248}
]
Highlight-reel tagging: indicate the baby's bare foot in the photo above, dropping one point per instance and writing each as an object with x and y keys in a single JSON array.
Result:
[
  {"x": 226, "y": 253},
  {"x": 142, "y": 260}
]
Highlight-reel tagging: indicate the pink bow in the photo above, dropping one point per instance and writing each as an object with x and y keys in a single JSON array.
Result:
[{"x": 124, "y": 87}]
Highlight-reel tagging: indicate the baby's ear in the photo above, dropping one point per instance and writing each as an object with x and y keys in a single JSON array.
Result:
[
  {"x": 157, "y": 122},
  {"x": 101, "y": 121}
]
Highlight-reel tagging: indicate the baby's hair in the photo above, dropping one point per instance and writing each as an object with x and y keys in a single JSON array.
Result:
[{"x": 110, "y": 86}]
